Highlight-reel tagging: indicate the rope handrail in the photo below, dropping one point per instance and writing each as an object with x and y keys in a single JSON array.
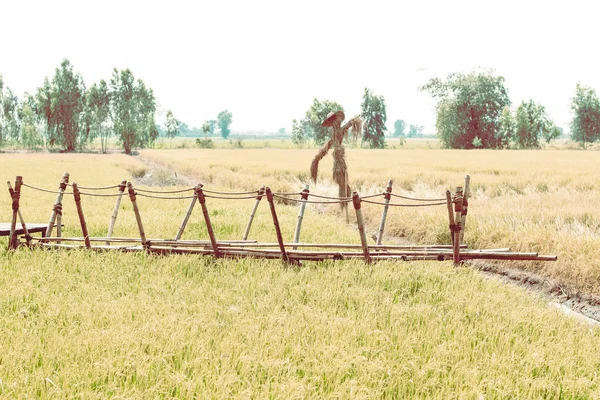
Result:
[
  {"x": 164, "y": 192},
  {"x": 402, "y": 205},
  {"x": 43, "y": 190},
  {"x": 255, "y": 192},
  {"x": 96, "y": 188},
  {"x": 312, "y": 201},
  {"x": 163, "y": 197},
  {"x": 414, "y": 198},
  {"x": 230, "y": 198}
]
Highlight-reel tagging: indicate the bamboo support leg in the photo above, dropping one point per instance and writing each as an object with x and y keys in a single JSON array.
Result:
[
  {"x": 451, "y": 222},
  {"x": 465, "y": 205},
  {"x": 361, "y": 227},
  {"x": 13, "y": 242},
  {"x": 388, "y": 196},
  {"x": 113, "y": 217},
  {"x": 458, "y": 196},
  {"x": 211, "y": 233},
  {"x": 187, "y": 214},
  {"x": 57, "y": 208},
  {"x": 261, "y": 193},
  {"x": 136, "y": 210},
  {"x": 77, "y": 197},
  {"x": 11, "y": 191},
  {"x": 284, "y": 254},
  {"x": 300, "y": 215}
]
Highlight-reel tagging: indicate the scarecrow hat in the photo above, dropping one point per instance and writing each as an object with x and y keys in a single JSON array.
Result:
[{"x": 332, "y": 117}]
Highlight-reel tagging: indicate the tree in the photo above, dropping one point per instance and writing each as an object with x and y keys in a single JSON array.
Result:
[
  {"x": 468, "y": 106},
  {"x": 300, "y": 131},
  {"x": 340, "y": 168},
  {"x": 9, "y": 116},
  {"x": 373, "y": 112},
  {"x": 171, "y": 126},
  {"x": 30, "y": 134},
  {"x": 61, "y": 102},
  {"x": 205, "y": 129},
  {"x": 97, "y": 110},
  {"x": 532, "y": 125},
  {"x": 281, "y": 131},
  {"x": 212, "y": 123},
  {"x": 399, "y": 127},
  {"x": 133, "y": 108},
  {"x": 585, "y": 106},
  {"x": 415, "y": 131},
  {"x": 224, "y": 120},
  {"x": 315, "y": 115},
  {"x": 506, "y": 128}
]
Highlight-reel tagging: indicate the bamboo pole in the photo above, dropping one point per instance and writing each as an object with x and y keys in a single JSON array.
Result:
[
  {"x": 458, "y": 196},
  {"x": 388, "y": 196},
  {"x": 187, "y": 215},
  {"x": 361, "y": 227},
  {"x": 77, "y": 198},
  {"x": 211, "y": 233},
  {"x": 284, "y": 255},
  {"x": 11, "y": 191},
  {"x": 113, "y": 217},
  {"x": 300, "y": 215},
  {"x": 57, "y": 208},
  {"x": 136, "y": 211},
  {"x": 465, "y": 205},
  {"x": 450, "y": 215},
  {"x": 261, "y": 193},
  {"x": 13, "y": 242}
]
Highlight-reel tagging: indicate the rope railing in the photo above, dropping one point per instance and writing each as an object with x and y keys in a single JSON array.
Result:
[
  {"x": 95, "y": 188},
  {"x": 401, "y": 205},
  {"x": 457, "y": 206},
  {"x": 415, "y": 199}
]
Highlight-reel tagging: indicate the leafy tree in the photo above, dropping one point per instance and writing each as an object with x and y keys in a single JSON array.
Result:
[
  {"x": 315, "y": 115},
  {"x": 205, "y": 128},
  {"x": 133, "y": 108},
  {"x": 415, "y": 131},
  {"x": 97, "y": 112},
  {"x": 399, "y": 127},
  {"x": 212, "y": 123},
  {"x": 506, "y": 129},
  {"x": 374, "y": 115},
  {"x": 224, "y": 121},
  {"x": 184, "y": 128},
  {"x": 585, "y": 125},
  {"x": 532, "y": 125},
  {"x": 30, "y": 134},
  {"x": 61, "y": 102},
  {"x": 9, "y": 118},
  {"x": 469, "y": 106},
  {"x": 171, "y": 126},
  {"x": 281, "y": 131},
  {"x": 300, "y": 131}
]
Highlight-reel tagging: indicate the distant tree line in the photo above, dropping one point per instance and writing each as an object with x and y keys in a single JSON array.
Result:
[
  {"x": 473, "y": 111},
  {"x": 64, "y": 114}
]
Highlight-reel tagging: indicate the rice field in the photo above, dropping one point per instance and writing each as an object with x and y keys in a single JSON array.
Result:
[{"x": 78, "y": 324}]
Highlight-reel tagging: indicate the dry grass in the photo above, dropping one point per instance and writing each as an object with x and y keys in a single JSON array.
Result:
[{"x": 88, "y": 325}]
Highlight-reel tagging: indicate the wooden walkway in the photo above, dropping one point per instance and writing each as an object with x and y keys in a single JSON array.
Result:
[{"x": 31, "y": 228}]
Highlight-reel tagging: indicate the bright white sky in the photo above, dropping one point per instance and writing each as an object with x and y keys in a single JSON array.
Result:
[{"x": 265, "y": 60}]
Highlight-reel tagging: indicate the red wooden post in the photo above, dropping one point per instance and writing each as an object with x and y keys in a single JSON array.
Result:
[
  {"x": 77, "y": 197},
  {"x": 211, "y": 233},
  {"x": 13, "y": 242},
  {"x": 361, "y": 227},
  {"x": 284, "y": 254}
]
